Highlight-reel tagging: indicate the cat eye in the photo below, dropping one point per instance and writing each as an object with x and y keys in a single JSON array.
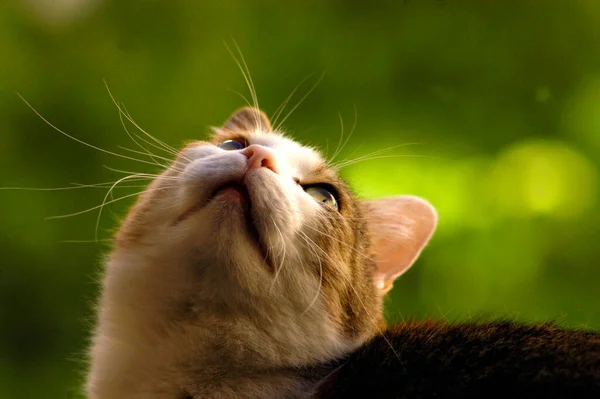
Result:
[
  {"x": 231, "y": 145},
  {"x": 323, "y": 195}
]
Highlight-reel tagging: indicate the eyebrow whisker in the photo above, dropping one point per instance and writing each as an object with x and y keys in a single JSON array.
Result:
[
  {"x": 339, "y": 149},
  {"x": 282, "y": 106},
  {"x": 278, "y": 126},
  {"x": 243, "y": 67}
]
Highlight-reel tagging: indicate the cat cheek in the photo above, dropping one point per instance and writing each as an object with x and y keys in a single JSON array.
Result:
[
  {"x": 192, "y": 152},
  {"x": 203, "y": 150},
  {"x": 214, "y": 170},
  {"x": 308, "y": 213}
]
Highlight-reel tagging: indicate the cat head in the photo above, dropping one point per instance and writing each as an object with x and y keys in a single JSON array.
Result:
[{"x": 251, "y": 244}]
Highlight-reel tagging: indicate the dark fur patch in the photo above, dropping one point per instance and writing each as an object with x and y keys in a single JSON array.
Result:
[{"x": 471, "y": 360}]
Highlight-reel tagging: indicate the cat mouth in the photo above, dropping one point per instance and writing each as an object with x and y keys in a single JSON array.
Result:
[
  {"x": 233, "y": 189},
  {"x": 237, "y": 191}
]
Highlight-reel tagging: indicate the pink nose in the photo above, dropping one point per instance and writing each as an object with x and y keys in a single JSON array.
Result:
[{"x": 260, "y": 157}]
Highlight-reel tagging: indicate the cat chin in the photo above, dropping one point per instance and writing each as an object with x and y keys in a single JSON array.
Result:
[
  {"x": 231, "y": 198},
  {"x": 233, "y": 224},
  {"x": 235, "y": 192}
]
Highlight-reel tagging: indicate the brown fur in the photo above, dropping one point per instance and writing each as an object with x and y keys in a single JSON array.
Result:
[
  {"x": 247, "y": 120},
  {"x": 206, "y": 298}
]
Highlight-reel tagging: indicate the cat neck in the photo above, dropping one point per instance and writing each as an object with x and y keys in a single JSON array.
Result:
[{"x": 214, "y": 348}]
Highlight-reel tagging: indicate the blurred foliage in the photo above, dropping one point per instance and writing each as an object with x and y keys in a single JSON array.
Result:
[{"x": 496, "y": 106}]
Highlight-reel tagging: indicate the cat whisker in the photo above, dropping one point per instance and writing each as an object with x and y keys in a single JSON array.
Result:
[
  {"x": 169, "y": 149},
  {"x": 159, "y": 143},
  {"x": 348, "y": 157},
  {"x": 283, "y": 250},
  {"x": 105, "y": 202},
  {"x": 376, "y": 152},
  {"x": 342, "y": 145},
  {"x": 148, "y": 176},
  {"x": 96, "y": 241},
  {"x": 110, "y": 190},
  {"x": 308, "y": 241},
  {"x": 327, "y": 217},
  {"x": 359, "y": 300},
  {"x": 102, "y": 205},
  {"x": 385, "y": 156},
  {"x": 282, "y": 106},
  {"x": 153, "y": 156},
  {"x": 135, "y": 137},
  {"x": 337, "y": 149},
  {"x": 78, "y": 186},
  {"x": 123, "y": 111},
  {"x": 335, "y": 239},
  {"x": 251, "y": 86},
  {"x": 370, "y": 155},
  {"x": 108, "y": 184},
  {"x": 75, "y": 186},
  {"x": 128, "y": 172},
  {"x": 243, "y": 67},
  {"x": 81, "y": 141},
  {"x": 248, "y": 103},
  {"x": 131, "y": 136},
  {"x": 443, "y": 315},
  {"x": 278, "y": 126}
]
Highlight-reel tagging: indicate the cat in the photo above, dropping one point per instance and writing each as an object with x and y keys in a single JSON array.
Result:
[
  {"x": 249, "y": 269},
  {"x": 245, "y": 261}
]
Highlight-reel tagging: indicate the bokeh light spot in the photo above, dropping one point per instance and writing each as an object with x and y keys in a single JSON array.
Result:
[
  {"x": 543, "y": 177},
  {"x": 582, "y": 114},
  {"x": 543, "y": 94}
]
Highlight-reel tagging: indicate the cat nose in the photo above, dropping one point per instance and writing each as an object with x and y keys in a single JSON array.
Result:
[{"x": 261, "y": 157}]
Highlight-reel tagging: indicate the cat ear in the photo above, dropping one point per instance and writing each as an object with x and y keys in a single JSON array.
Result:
[
  {"x": 400, "y": 227},
  {"x": 247, "y": 119}
]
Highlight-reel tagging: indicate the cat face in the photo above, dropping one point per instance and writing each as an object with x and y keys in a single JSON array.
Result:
[{"x": 251, "y": 249}]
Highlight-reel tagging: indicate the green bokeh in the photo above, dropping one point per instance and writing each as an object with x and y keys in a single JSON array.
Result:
[{"x": 496, "y": 104}]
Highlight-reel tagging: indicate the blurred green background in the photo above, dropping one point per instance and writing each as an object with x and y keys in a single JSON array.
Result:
[{"x": 501, "y": 98}]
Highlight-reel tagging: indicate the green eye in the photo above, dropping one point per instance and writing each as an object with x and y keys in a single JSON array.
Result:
[
  {"x": 231, "y": 145},
  {"x": 322, "y": 195}
]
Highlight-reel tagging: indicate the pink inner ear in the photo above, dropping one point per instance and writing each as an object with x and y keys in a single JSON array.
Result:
[{"x": 400, "y": 228}]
